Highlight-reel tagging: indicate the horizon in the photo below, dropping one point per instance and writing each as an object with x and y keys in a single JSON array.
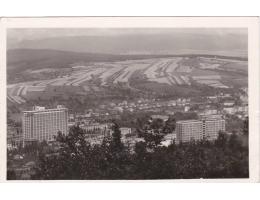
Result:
[{"x": 133, "y": 40}]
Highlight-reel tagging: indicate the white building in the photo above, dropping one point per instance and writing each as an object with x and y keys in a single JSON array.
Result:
[
  {"x": 125, "y": 131},
  {"x": 211, "y": 128},
  {"x": 42, "y": 124},
  {"x": 229, "y": 103},
  {"x": 162, "y": 117},
  {"x": 207, "y": 128},
  {"x": 229, "y": 110},
  {"x": 187, "y": 130}
]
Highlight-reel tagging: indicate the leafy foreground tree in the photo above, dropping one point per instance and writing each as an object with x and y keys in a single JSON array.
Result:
[{"x": 77, "y": 159}]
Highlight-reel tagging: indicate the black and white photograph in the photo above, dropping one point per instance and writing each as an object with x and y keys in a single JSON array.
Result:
[{"x": 127, "y": 103}]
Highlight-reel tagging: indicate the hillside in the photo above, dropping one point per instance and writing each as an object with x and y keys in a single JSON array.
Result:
[
  {"x": 23, "y": 59},
  {"x": 175, "y": 76}
]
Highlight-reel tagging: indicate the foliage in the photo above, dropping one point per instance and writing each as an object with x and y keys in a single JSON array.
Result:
[
  {"x": 11, "y": 175},
  {"x": 77, "y": 159},
  {"x": 185, "y": 116},
  {"x": 233, "y": 123},
  {"x": 246, "y": 126},
  {"x": 170, "y": 125},
  {"x": 157, "y": 124}
]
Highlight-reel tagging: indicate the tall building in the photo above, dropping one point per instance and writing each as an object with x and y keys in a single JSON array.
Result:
[
  {"x": 207, "y": 127},
  {"x": 42, "y": 124},
  {"x": 212, "y": 124},
  {"x": 187, "y": 130}
]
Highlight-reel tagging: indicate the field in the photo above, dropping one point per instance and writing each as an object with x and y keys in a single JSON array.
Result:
[{"x": 155, "y": 74}]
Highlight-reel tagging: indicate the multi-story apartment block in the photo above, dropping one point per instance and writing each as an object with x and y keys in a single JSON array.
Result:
[
  {"x": 211, "y": 127},
  {"x": 42, "y": 124},
  {"x": 207, "y": 127},
  {"x": 187, "y": 130}
]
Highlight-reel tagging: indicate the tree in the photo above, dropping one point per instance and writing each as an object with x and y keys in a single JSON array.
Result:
[
  {"x": 77, "y": 159},
  {"x": 222, "y": 139},
  {"x": 246, "y": 126},
  {"x": 116, "y": 138},
  {"x": 140, "y": 148},
  {"x": 157, "y": 124},
  {"x": 234, "y": 142},
  {"x": 11, "y": 175},
  {"x": 170, "y": 125},
  {"x": 152, "y": 140},
  {"x": 71, "y": 160},
  {"x": 185, "y": 116},
  {"x": 234, "y": 123}
]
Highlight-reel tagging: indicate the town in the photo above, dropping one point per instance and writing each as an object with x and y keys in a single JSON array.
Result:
[
  {"x": 193, "y": 120},
  {"x": 136, "y": 104}
]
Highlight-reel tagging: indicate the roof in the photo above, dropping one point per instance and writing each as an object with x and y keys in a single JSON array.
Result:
[
  {"x": 188, "y": 121},
  {"x": 45, "y": 110},
  {"x": 211, "y": 117}
]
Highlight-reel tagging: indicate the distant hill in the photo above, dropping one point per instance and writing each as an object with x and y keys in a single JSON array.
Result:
[
  {"x": 18, "y": 56},
  {"x": 22, "y": 59}
]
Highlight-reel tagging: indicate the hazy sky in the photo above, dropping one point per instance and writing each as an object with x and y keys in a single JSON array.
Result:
[
  {"x": 226, "y": 41},
  {"x": 41, "y": 33}
]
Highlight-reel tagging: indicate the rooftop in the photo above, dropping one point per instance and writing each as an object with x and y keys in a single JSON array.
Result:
[
  {"x": 38, "y": 109},
  {"x": 188, "y": 121}
]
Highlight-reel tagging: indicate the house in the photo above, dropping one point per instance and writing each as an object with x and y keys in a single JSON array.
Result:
[
  {"x": 125, "y": 131},
  {"x": 229, "y": 103},
  {"x": 162, "y": 117}
]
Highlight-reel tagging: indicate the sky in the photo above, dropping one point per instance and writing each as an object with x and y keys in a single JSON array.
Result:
[
  {"x": 224, "y": 41},
  {"x": 41, "y": 33}
]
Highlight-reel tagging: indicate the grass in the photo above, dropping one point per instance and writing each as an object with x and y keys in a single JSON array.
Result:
[
  {"x": 239, "y": 66},
  {"x": 202, "y": 72}
]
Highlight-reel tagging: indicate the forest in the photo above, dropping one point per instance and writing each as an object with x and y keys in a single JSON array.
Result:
[{"x": 76, "y": 159}]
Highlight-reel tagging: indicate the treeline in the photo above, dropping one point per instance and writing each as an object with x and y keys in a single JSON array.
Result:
[{"x": 76, "y": 159}]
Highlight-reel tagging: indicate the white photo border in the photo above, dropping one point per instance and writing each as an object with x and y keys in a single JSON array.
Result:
[{"x": 251, "y": 23}]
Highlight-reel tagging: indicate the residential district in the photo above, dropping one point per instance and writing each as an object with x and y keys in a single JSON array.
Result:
[{"x": 43, "y": 124}]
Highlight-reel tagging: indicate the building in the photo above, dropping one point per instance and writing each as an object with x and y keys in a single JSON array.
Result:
[
  {"x": 212, "y": 124},
  {"x": 229, "y": 110},
  {"x": 125, "y": 131},
  {"x": 186, "y": 108},
  {"x": 209, "y": 112},
  {"x": 168, "y": 139},
  {"x": 42, "y": 124},
  {"x": 236, "y": 109},
  {"x": 162, "y": 117},
  {"x": 97, "y": 128},
  {"x": 207, "y": 127},
  {"x": 229, "y": 103},
  {"x": 96, "y": 132},
  {"x": 14, "y": 137},
  {"x": 187, "y": 130},
  {"x": 243, "y": 109}
]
